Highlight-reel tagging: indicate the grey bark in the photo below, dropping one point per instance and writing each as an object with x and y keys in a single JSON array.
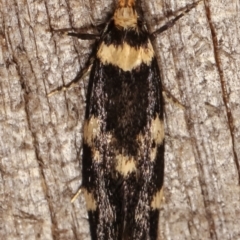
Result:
[{"x": 40, "y": 136}]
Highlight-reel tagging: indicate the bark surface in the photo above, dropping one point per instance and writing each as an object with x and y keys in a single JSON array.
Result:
[{"x": 41, "y": 136}]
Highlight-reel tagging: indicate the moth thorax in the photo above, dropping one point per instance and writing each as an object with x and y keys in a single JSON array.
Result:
[{"x": 125, "y": 17}]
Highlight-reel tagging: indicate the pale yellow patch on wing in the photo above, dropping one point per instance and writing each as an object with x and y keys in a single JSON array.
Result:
[
  {"x": 157, "y": 130},
  {"x": 124, "y": 56},
  {"x": 90, "y": 201},
  {"x": 125, "y": 17},
  {"x": 91, "y": 130},
  {"x": 96, "y": 155},
  {"x": 157, "y": 199},
  {"x": 125, "y": 164},
  {"x": 157, "y": 136},
  {"x": 153, "y": 153}
]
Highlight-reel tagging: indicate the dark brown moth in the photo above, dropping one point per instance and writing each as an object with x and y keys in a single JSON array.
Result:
[
  {"x": 123, "y": 135},
  {"x": 123, "y": 149}
]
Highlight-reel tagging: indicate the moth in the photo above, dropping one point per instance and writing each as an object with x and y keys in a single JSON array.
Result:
[
  {"x": 123, "y": 137},
  {"x": 123, "y": 133}
]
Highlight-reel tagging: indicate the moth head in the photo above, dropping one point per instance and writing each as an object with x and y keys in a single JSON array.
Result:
[
  {"x": 126, "y": 3},
  {"x": 126, "y": 15}
]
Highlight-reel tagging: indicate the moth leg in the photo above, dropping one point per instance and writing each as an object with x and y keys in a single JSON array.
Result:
[
  {"x": 76, "y": 195},
  {"x": 84, "y": 36},
  {"x": 75, "y": 32},
  {"x": 78, "y": 32},
  {"x": 168, "y": 97},
  {"x": 73, "y": 83},
  {"x": 174, "y": 20}
]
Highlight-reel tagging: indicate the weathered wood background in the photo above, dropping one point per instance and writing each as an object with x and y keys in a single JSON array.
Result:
[{"x": 40, "y": 136}]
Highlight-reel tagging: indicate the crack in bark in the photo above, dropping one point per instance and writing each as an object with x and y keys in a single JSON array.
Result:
[
  {"x": 202, "y": 183},
  {"x": 28, "y": 120},
  {"x": 223, "y": 84}
]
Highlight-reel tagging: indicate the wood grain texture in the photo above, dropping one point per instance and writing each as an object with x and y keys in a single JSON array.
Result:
[{"x": 40, "y": 137}]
